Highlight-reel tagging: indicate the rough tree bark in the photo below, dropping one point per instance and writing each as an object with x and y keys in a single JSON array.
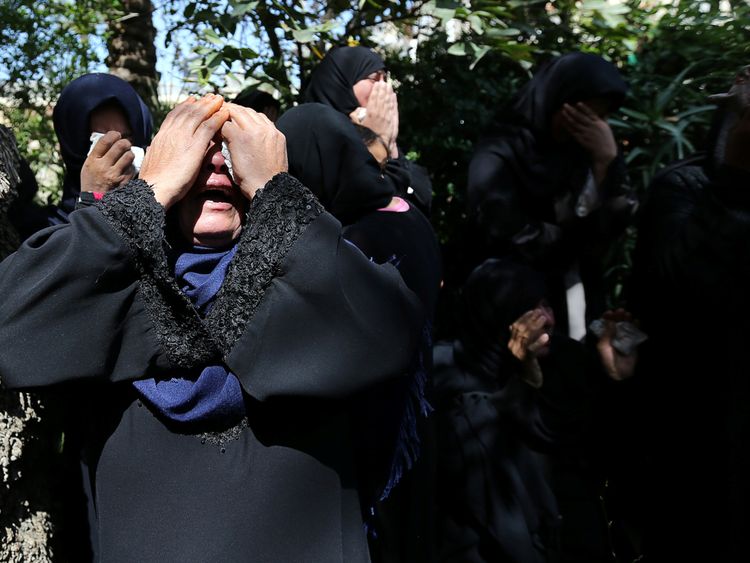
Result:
[
  {"x": 26, "y": 523},
  {"x": 132, "y": 52}
]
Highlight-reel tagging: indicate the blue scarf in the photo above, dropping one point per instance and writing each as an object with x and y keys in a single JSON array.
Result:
[{"x": 213, "y": 397}]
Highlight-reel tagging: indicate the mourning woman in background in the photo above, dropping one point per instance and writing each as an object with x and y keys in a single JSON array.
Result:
[
  {"x": 338, "y": 161},
  {"x": 691, "y": 277},
  {"x": 548, "y": 187},
  {"x": 92, "y": 103},
  {"x": 511, "y": 394},
  {"x": 353, "y": 81},
  {"x": 224, "y": 327}
]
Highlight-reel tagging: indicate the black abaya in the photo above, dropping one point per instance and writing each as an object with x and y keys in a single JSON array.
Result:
[{"x": 303, "y": 320}]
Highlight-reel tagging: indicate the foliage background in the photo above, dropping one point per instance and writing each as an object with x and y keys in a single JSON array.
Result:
[{"x": 455, "y": 65}]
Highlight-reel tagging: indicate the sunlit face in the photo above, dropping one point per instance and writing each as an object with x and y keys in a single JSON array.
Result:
[
  {"x": 110, "y": 117},
  {"x": 363, "y": 87},
  {"x": 211, "y": 212}
]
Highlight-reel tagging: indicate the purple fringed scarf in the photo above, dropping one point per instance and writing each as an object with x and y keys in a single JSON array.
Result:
[{"x": 215, "y": 395}]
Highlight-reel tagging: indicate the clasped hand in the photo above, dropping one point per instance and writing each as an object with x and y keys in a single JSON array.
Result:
[
  {"x": 174, "y": 158},
  {"x": 381, "y": 116}
]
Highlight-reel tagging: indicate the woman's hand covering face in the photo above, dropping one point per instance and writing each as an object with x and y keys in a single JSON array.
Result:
[
  {"x": 172, "y": 163},
  {"x": 382, "y": 114},
  {"x": 109, "y": 165},
  {"x": 591, "y": 132},
  {"x": 257, "y": 148}
]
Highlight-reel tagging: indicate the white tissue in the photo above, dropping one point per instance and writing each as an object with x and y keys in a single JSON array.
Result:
[
  {"x": 227, "y": 160},
  {"x": 138, "y": 152}
]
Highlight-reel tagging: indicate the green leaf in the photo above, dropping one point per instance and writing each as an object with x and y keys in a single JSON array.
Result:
[
  {"x": 503, "y": 32},
  {"x": 457, "y": 49},
  {"x": 242, "y": 8},
  {"x": 640, "y": 116},
  {"x": 214, "y": 60},
  {"x": 304, "y": 35},
  {"x": 479, "y": 52},
  {"x": 212, "y": 37},
  {"x": 692, "y": 111},
  {"x": 476, "y": 24}
]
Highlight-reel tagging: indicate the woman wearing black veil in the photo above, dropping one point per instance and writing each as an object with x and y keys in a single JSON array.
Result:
[
  {"x": 337, "y": 160},
  {"x": 92, "y": 103},
  {"x": 511, "y": 395},
  {"x": 548, "y": 187},
  {"x": 352, "y": 80},
  {"x": 222, "y": 328}
]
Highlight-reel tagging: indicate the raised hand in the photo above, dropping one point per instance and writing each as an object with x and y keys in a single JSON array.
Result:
[
  {"x": 617, "y": 365},
  {"x": 257, "y": 148},
  {"x": 382, "y": 113},
  {"x": 591, "y": 132},
  {"x": 109, "y": 165},
  {"x": 528, "y": 334},
  {"x": 173, "y": 160}
]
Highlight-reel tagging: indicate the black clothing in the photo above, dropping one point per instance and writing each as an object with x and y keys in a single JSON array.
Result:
[
  {"x": 257, "y": 100},
  {"x": 71, "y": 117},
  {"x": 327, "y": 154},
  {"x": 331, "y": 84},
  {"x": 519, "y": 173},
  {"x": 341, "y": 68},
  {"x": 303, "y": 320},
  {"x": 498, "y": 439},
  {"x": 691, "y": 274},
  {"x": 404, "y": 521},
  {"x": 407, "y": 241},
  {"x": 504, "y": 447},
  {"x": 534, "y": 199}
]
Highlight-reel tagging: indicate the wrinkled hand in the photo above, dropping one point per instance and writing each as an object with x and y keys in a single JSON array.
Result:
[
  {"x": 591, "y": 132},
  {"x": 109, "y": 166},
  {"x": 257, "y": 148},
  {"x": 382, "y": 113},
  {"x": 617, "y": 365},
  {"x": 173, "y": 160}
]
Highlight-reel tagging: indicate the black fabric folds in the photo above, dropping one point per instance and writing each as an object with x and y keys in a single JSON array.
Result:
[
  {"x": 327, "y": 155},
  {"x": 139, "y": 219},
  {"x": 338, "y": 72}
]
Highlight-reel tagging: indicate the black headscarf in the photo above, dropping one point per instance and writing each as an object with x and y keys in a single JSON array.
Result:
[
  {"x": 338, "y": 72},
  {"x": 327, "y": 154},
  {"x": 495, "y": 295},
  {"x": 71, "y": 117},
  {"x": 257, "y": 100},
  {"x": 522, "y": 134}
]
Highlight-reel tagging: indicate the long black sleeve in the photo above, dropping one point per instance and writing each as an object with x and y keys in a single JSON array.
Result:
[
  {"x": 301, "y": 311},
  {"x": 70, "y": 308}
]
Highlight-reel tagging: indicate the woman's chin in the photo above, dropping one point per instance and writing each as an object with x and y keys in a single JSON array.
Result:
[{"x": 215, "y": 234}]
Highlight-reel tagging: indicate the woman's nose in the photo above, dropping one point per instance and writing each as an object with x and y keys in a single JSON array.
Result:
[{"x": 217, "y": 164}]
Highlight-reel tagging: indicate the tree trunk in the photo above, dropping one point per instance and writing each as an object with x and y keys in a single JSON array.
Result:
[
  {"x": 26, "y": 524},
  {"x": 132, "y": 52}
]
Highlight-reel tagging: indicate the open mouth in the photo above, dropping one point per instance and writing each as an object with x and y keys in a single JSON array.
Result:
[{"x": 216, "y": 195}]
